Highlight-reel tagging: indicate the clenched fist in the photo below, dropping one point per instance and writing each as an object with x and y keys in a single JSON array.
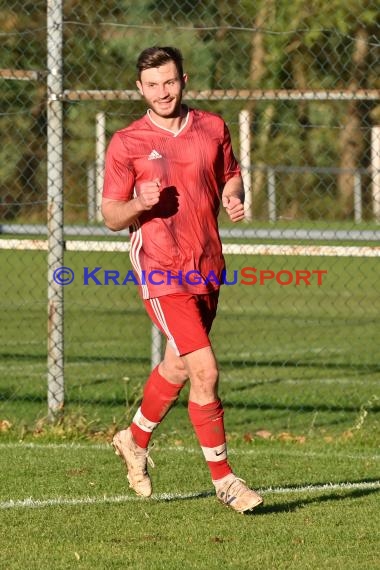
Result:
[{"x": 149, "y": 194}]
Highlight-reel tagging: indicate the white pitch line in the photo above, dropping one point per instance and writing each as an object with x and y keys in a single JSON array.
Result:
[
  {"x": 191, "y": 450},
  {"x": 63, "y": 446},
  {"x": 31, "y": 503},
  {"x": 324, "y": 487},
  {"x": 282, "y": 452},
  {"x": 62, "y": 501},
  {"x": 228, "y": 248}
]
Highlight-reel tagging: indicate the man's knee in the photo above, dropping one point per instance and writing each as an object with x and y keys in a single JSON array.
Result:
[
  {"x": 174, "y": 371},
  {"x": 205, "y": 376}
]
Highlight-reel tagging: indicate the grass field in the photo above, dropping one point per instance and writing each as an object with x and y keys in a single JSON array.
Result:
[
  {"x": 300, "y": 382},
  {"x": 80, "y": 514}
]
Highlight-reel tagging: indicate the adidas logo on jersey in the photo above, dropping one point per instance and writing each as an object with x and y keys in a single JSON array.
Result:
[{"x": 154, "y": 155}]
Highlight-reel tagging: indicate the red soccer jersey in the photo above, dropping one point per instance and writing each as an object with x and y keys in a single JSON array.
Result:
[{"x": 175, "y": 246}]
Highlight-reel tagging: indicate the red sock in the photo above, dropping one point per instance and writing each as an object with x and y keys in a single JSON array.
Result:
[
  {"x": 158, "y": 396},
  {"x": 209, "y": 427}
]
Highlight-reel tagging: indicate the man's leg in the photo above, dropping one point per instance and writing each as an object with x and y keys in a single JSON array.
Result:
[
  {"x": 206, "y": 415},
  {"x": 160, "y": 392},
  {"x": 206, "y": 410}
]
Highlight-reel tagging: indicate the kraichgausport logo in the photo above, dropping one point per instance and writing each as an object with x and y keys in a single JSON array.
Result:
[{"x": 246, "y": 276}]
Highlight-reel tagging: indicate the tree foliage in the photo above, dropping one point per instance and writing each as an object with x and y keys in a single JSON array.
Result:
[{"x": 226, "y": 44}]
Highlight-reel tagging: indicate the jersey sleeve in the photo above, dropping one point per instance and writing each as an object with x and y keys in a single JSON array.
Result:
[
  {"x": 230, "y": 164},
  {"x": 119, "y": 177}
]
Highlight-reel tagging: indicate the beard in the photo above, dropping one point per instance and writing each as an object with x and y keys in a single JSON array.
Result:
[{"x": 167, "y": 109}]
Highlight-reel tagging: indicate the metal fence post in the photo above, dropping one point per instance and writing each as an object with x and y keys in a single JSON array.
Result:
[
  {"x": 91, "y": 193},
  {"x": 100, "y": 158},
  {"x": 271, "y": 194},
  {"x": 156, "y": 347},
  {"x": 55, "y": 208},
  {"x": 245, "y": 160},
  {"x": 375, "y": 168},
  {"x": 357, "y": 198}
]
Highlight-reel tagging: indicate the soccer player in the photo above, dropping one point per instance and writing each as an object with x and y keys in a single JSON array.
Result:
[{"x": 165, "y": 176}]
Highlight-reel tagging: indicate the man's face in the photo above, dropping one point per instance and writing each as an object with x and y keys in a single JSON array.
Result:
[{"x": 162, "y": 89}]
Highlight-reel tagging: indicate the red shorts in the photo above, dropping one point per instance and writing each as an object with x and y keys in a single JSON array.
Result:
[{"x": 184, "y": 319}]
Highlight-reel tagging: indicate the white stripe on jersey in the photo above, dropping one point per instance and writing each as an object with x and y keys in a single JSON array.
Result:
[{"x": 136, "y": 245}]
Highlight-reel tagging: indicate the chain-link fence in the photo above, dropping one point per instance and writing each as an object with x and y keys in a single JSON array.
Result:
[{"x": 298, "y": 84}]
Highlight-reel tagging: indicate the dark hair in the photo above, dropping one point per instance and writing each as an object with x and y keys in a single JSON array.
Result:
[{"x": 156, "y": 56}]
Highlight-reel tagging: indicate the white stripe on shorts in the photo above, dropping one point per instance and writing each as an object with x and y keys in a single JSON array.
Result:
[{"x": 157, "y": 309}]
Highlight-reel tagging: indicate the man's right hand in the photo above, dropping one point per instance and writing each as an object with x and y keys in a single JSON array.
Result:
[{"x": 149, "y": 194}]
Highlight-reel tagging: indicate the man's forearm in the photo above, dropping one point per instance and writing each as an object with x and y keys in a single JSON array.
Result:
[{"x": 120, "y": 215}]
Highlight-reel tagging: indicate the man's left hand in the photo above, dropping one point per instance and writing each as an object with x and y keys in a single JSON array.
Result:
[{"x": 234, "y": 208}]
